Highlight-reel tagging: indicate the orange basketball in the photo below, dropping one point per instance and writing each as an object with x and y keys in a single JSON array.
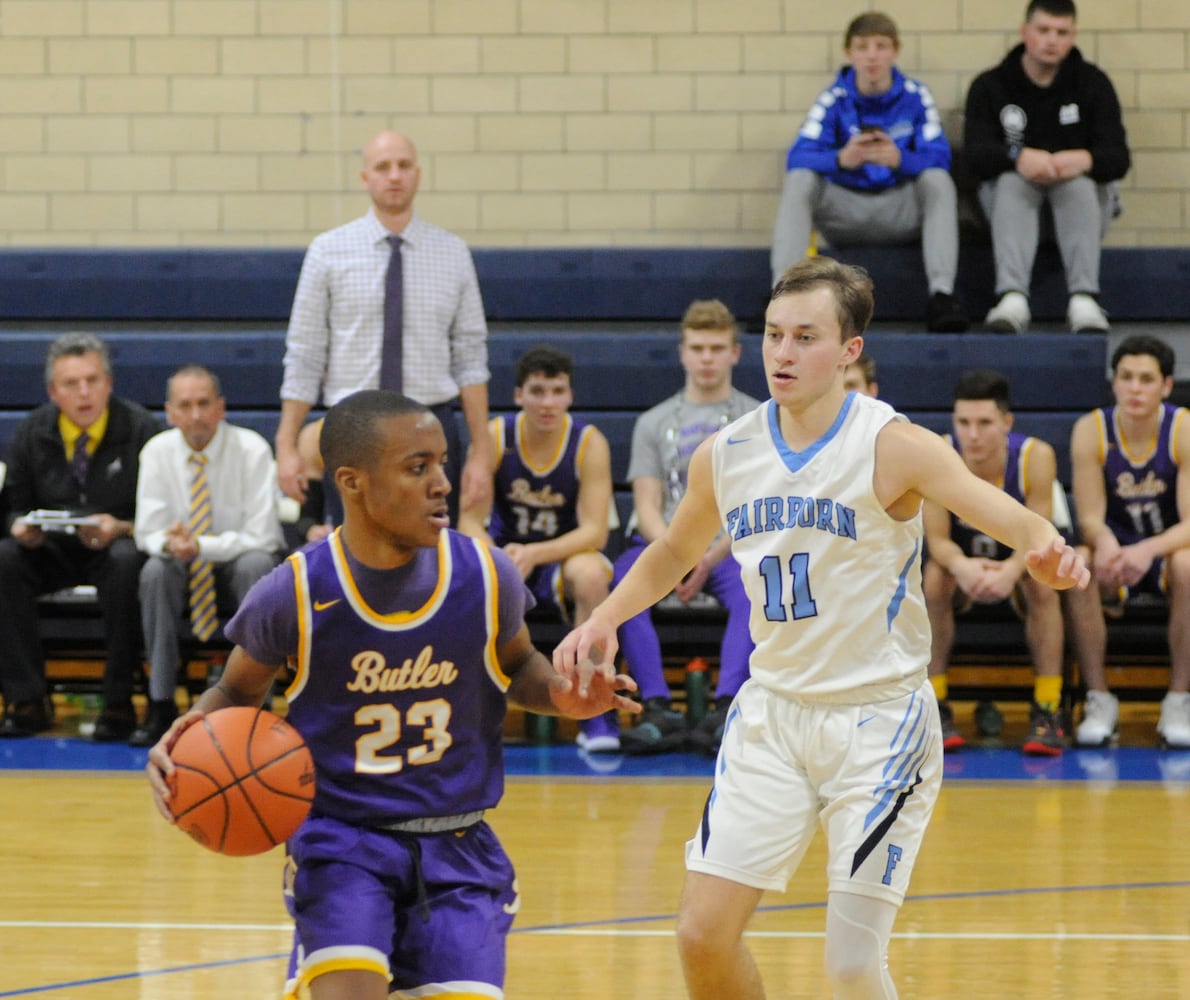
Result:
[{"x": 243, "y": 781}]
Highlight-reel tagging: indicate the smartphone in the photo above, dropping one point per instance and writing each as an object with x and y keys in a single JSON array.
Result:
[{"x": 870, "y": 128}]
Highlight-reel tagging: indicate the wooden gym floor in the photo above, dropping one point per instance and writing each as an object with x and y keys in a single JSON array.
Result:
[{"x": 1046, "y": 879}]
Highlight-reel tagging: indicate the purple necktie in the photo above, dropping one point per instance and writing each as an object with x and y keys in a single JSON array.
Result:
[
  {"x": 394, "y": 299},
  {"x": 80, "y": 461}
]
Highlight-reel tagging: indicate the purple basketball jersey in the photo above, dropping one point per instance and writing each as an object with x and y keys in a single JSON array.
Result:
[
  {"x": 535, "y": 504},
  {"x": 403, "y": 712},
  {"x": 1141, "y": 489},
  {"x": 975, "y": 543}
]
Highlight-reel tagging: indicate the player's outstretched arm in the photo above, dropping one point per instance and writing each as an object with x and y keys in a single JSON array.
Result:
[
  {"x": 536, "y": 686},
  {"x": 663, "y": 563},
  {"x": 913, "y": 464},
  {"x": 245, "y": 681}
]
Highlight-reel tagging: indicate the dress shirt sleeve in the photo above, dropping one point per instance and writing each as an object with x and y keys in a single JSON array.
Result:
[
  {"x": 307, "y": 341},
  {"x": 156, "y": 498},
  {"x": 469, "y": 330}
]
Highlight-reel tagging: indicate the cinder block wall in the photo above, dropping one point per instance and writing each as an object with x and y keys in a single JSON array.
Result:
[{"x": 540, "y": 122}]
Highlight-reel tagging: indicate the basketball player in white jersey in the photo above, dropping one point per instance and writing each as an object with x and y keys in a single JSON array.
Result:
[{"x": 821, "y": 492}]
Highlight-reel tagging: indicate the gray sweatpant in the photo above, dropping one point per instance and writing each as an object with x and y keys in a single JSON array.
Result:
[
  {"x": 926, "y": 206},
  {"x": 1082, "y": 211}
]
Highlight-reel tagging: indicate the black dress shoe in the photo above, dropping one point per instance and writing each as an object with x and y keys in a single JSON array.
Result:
[
  {"x": 160, "y": 717},
  {"x": 27, "y": 718},
  {"x": 115, "y": 724},
  {"x": 945, "y": 315}
]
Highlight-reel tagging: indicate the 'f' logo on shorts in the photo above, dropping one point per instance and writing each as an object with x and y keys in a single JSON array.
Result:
[{"x": 894, "y": 855}]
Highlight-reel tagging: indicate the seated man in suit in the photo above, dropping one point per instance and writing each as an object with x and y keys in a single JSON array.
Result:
[
  {"x": 77, "y": 453},
  {"x": 206, "y": 515}
]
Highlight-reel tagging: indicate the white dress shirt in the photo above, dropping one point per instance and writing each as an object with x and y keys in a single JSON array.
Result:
[
  {"x": 336, "y": 327},
  {"x": 241, "y": 477}
]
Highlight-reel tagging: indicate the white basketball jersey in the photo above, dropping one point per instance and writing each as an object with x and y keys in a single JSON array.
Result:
[{"x": 835, "y": 582}]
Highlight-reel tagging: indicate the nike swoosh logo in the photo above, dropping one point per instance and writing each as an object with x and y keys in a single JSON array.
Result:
[
  {"x": 732, "y": 440},
  {"x": 323, "y": 605},
  {"x": 864, "y": 722}
]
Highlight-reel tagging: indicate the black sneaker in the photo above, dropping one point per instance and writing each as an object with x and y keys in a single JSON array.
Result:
[
  {"x": 1046, "y": 736},
  {"x": 708, "y": 734},
  {"x": 115, "y": 724},
  {"x": 160, "y": 717},
  {"x": 952, "y": 739},
  {"x": 945, "y": 315},
  {"x": 27, "y": 718},
  {"x": 661, "y": 729}
]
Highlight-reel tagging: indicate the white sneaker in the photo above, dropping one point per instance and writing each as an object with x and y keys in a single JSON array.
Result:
[
  {"x": 1101, "y": 715},
  {"x": 1174, "y": 725},
  {"x": 1085, "y": 315},
  {"x": 598, "y": 743},
  {"x": 1010, "y": 314}
]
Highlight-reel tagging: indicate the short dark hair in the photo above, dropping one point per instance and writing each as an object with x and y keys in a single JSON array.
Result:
[
  {"x": 866, "y": 365},
  {"x": 872, "y": 22},
  {"x": 1055, "y": 8},
  {"x": 543, "y": 360},
  {"x": 1143, "y": 343},
  {"x": 978, "y": 384},
  {"x": 75, "y": 345},
  {"x": 349, "y": 435},
  {"x": 851, "y": 286},
  {"x": 193, "y": 369}
]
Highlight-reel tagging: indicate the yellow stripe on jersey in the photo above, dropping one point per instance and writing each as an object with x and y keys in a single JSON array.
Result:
[
  {"x": 301, "y": 596},
  {"x": 1101, "y": 426},
  {"x": 397, "y": 620},
  {"x": 1022, "y": 473},
  {"x": 1124, "y": 449},
  {"x": 491, "y": 616},
  {"x": 1179, "y": 413}
]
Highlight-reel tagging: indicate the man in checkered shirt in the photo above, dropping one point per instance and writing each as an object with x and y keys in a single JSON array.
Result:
[{"x": 336, "y": 329}]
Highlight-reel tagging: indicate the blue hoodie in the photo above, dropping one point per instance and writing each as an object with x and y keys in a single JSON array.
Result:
[{"x": 906, "y": 111}]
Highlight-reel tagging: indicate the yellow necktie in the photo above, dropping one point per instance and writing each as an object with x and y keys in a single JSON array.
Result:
[{"x": 202, "y": 574}]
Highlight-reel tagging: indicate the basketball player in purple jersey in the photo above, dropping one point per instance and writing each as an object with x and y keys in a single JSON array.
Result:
[
  {"x": 552, "y": 491},
  {"x": 967, "y": 567},
  {"x": 406, "y": 640},
  {"x": 1132, "y": 498}
]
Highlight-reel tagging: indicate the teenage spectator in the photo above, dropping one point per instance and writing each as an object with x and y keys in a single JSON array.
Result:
[
  {"x": 663, "y": 440},
  {"x": 1044, "y": 128},
  {"x": 871, "y": 165},
  {"x": 399, "y": 885},
  {"x": 389, "y": 300},
  {"x": 860, "y": 376},
  {"x": 77, "y": 453},
  {"x": 967, "y": 567},
  {"x": 552, "y": 497},
  {"x": 206, "y": 517},
  {"x": 1132, "y": 500}
]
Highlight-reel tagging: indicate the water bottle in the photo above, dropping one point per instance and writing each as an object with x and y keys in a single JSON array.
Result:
[
  {"x": 540, "y": 730},
  {"x": 696, "y": 690}
]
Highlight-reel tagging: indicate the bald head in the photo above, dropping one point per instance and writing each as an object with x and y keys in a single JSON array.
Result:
[{"x": 391, "y": 175}]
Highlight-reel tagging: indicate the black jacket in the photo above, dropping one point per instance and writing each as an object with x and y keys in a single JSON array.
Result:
[
  {"x": 39, "y": 475},
  {"x": 1079, "y": 110}
]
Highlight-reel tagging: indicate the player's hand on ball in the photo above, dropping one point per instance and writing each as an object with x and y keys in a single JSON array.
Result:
[{"x": 160, "y": 767}]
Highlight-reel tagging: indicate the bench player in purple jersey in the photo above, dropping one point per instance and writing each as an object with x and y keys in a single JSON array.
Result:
[
  {"x": 407, "y": 641},
  {"x": 967, "y": 567},
  {"x": 1132, "y": 498},
  {"x": 552, "y": 493}
]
